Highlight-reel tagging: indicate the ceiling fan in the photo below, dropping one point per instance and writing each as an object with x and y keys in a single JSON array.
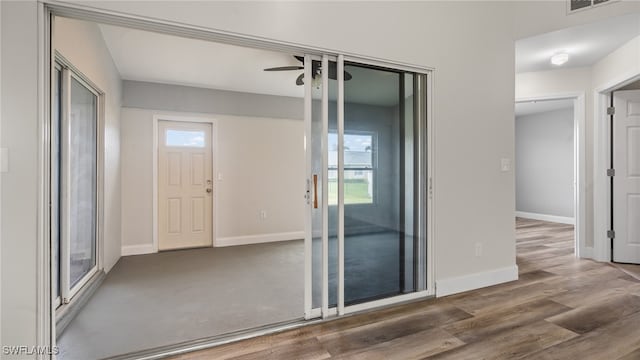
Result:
[{"x": 316, "y": 70}]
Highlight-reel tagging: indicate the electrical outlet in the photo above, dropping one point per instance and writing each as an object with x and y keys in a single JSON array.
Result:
[
  {"x": 263, "y": 215},
  {"x": 478, "y": 249}
]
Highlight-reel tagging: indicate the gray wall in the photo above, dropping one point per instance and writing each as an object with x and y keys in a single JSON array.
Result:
[
  {"x": 146, "y": 95},
  {"x": 544, "y": 163}
]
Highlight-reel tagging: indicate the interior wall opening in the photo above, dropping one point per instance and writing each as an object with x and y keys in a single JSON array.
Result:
[
  {"x": 155, "y": 96},
  {"x": 546, "y": 178}
]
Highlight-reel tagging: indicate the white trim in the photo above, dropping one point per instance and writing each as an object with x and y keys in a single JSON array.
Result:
[
  {"x": 545, "y": 217},
  {"x": 340, "y": 70},
  {"x": 42, "y": 282},
  {"x": 129, "y": 250},
  {"x": 258, "y": 239},
  {"x": 214, "y": 141},
  {"x": 308, "y": 218},
  {"x": 44, "y": 323},
  {"x": 579, "y": 165},
  {"x": 387, "y": 301},
  {"x": 431, "y": 185},
  {"x": 469, "y": 282},
  {"x": 325, "y": 186}
]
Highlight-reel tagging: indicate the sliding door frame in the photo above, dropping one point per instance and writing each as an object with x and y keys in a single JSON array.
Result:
[
  {"x": 424, "y": 227},
  {"x": 69, "y": 73},
  {"x": 48, "y": 9}
]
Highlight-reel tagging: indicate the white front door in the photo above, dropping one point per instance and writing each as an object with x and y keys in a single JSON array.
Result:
[
  {"x": 626, "y": 183},
  {"x": 185, "y": 185}
]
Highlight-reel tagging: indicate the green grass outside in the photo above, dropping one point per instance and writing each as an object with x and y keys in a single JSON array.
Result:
[{"x": 355, "y": 192}]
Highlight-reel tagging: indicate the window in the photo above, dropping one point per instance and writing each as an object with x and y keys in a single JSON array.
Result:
[
  {"x": 184, "y": 138},
  {"x": 74, "y": 182},
  {"x": 358, "y": 168}
]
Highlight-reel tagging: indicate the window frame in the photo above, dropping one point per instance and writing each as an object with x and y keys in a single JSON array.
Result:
[{"x": 373, "y": 169}]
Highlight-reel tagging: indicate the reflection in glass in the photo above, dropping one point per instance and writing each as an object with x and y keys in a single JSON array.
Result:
[
  {"x": 82, "y": 181},
  {"x": 378, "y": 181}
]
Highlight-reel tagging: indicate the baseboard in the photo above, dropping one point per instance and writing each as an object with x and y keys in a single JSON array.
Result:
[
  {"x": 544, "y": 217},
  {"x": 137, "y": 249},
  {"x": 586, "y": 253},
  {"x": 258, "y": 239},
  {"x": 464, "y": 283}
]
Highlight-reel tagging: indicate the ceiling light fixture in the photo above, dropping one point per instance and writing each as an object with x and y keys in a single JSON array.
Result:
[{"x": 559, "y": 59}]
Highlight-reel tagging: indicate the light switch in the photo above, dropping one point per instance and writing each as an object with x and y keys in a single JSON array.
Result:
[
  {"x": 220, "y": 177},
  {"x": 4, "y": 160},
  {"x": 505, "y": 164}
]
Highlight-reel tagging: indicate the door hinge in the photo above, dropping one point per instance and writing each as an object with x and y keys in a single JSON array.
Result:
[
  {"x": 611, "y": 234},
  {"x": 611, "y": 110},
  {"x": 611, "y": 172}
]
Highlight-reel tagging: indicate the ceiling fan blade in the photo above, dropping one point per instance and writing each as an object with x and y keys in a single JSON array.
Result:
[
  {"x": 299, "y": 80},
  {"x": 284, "y": 68}
]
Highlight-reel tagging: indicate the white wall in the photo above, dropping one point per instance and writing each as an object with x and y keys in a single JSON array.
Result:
[
  {"x": 619, "y": 65},
  {"x": 82, "y": 44},
  {"x": 20, "y": 135},
  {"x": 474, "y": 127},
  {"x": 260, "y": 159},
  {"x": 544, "y": 163}
]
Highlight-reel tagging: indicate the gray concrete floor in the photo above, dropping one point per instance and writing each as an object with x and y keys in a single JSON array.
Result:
[
  {"x": 149, "y": 301},
  {"x": 155, "y": 300}
]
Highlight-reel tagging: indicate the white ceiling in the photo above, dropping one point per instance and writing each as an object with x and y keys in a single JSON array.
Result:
[
  {"x": 535, "y": 107},
  {"x": 153, "y": 57},
  {"x": 585, "y": 44}
]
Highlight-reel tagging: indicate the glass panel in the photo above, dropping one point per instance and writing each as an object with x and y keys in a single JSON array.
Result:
[
  {"x": 82, "y": 181},
  {"x": 185, "y": 138},
  {"x": 379, "y": 241},
  {"x": 358, "y": 164},
  {"x": 55, "y": 180}
]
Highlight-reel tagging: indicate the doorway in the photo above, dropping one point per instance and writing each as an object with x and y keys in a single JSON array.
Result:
[
  {"x": 550, "y": 165},
  {"x": 185, "y": 184},
  {"x": 374, "y": 163}
]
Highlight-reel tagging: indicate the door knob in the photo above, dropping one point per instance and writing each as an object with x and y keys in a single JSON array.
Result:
[{"x": 209, "y": 190}]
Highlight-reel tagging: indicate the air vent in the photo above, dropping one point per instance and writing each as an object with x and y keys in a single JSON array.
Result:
[{"x": 575, "y": 5}]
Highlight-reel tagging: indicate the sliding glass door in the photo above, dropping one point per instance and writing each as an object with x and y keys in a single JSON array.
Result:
[
  {"x": 74, "y": 153},
  {"x": 367, "y": 184}
]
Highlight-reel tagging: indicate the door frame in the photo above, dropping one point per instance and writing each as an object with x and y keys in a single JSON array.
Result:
[
  {"x": 186, "y": 119},
  {"x": 579, "y": 166},
  {"x": 602, "y": 189},
  {"x": 48, "y": 9}
]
